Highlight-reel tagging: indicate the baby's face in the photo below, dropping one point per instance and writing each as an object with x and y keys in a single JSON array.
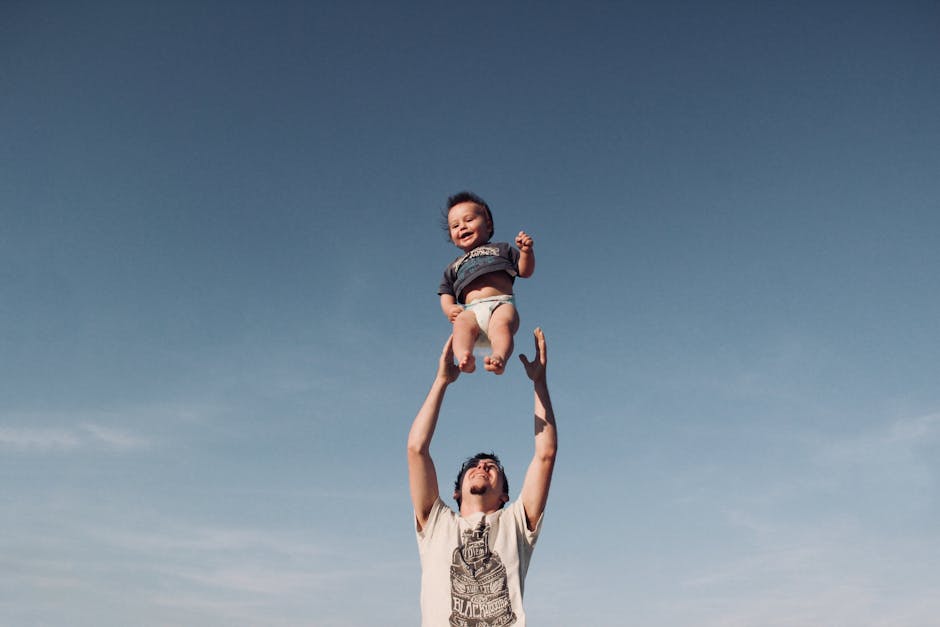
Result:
[{"x": 468, "y": 225}]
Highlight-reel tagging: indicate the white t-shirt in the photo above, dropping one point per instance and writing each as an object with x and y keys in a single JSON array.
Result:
[{"x": 473, "y": 569}]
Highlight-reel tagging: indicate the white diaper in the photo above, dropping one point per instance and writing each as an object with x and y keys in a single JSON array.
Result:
[{"x": 483, "y": 308}]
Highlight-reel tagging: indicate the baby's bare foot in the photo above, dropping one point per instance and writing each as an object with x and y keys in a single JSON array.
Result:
[
  {"x": 494, "y": 363},
  {"x": 467, "y": 363}
]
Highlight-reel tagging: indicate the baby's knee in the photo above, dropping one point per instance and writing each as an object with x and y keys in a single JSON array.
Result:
[
  {"x": 466, "y": 319},
  {"x": 505, "y": 316}
]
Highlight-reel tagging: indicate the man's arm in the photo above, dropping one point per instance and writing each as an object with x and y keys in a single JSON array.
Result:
[
  {"x": 422, "y": 477},
  {"x": 538, "y": 478}
]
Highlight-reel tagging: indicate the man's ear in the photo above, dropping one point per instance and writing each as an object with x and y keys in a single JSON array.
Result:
[
  {"x": 504, "y": 498},
  {"x": 456, "y": 495}
]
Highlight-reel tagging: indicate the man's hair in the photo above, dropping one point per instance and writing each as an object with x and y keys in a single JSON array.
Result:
[
  {"x": 460, "y": 197},
  {"x": 471, "y": 462}
]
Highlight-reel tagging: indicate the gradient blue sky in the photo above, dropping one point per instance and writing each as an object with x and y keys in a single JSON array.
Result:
[{"x": 219, "y": 252}]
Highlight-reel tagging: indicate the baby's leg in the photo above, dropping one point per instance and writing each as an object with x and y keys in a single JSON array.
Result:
[
  {"x": 504, "y": 322},
  {"x": 466, "y": 331}
]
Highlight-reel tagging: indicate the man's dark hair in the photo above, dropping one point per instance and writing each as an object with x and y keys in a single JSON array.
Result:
[
  {"x": 471, "y": 462},
  {"x": 465, "y": 196}
]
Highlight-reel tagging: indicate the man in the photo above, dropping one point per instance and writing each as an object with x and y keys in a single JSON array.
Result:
[{"x": 473, "y": 563}]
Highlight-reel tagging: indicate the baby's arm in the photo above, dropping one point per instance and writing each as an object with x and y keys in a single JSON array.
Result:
[
  {"x": 526, "y": 254},
  {"x": 450, "y": 307}
]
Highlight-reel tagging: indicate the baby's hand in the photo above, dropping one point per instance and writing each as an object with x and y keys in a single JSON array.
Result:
[
  {"x": 453, "y": 312},
  {"x": 524, "y": 242}
]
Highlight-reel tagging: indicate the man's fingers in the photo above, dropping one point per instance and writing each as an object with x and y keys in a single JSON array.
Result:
[{"x": 541, "y": 355}]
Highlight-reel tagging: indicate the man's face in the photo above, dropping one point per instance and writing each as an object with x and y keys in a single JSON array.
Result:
[
  {"x": 484, "y": 478},
  {"x": 468, "y": 225}
]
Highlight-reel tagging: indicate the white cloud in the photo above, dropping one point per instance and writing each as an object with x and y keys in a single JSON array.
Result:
[
  {"x": 210, "y": 539},
  {"x": 114, "y": 438},
  {"x": 824, "y": 572},
  {"x": 894, "y": 456},
  {"x": 69, "y": 439},
  {"x": 39, "y": 439},
  {"x": 898, "y": 440},
  {"x": 105, "y": 429},
  {"x": 251, "y": 578},
  {"x": 845, "y": 537}
]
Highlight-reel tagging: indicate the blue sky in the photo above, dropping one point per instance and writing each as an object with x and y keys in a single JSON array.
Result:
[{"x": 219, "y": 253}]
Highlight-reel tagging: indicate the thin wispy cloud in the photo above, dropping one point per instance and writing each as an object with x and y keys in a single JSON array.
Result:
[
  {"x": 895, "y": 452},
  {"x": 901, "y": 437},
  {"x": 838, "y": 541},
  {"x": 226, "y": 551},
  {"x": 86, "y": 436},
  {"x": 189, "y": 539},
  {"x": 221, "y": 570},
  {"x": 258, "y": 579},
  {"x": 115, "y": 439},
  {"x": 30, "y": 439},
  {"x": 834, "y": 572},
  {"x": 115, "y": 430}
]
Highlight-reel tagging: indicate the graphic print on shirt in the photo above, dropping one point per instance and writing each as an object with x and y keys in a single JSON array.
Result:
[
  {"x": 479, "y": 591},
  {"x": 477, "y": 258}
]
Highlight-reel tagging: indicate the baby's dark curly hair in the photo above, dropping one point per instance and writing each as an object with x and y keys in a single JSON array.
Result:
[{"x": 458, "y": 198}]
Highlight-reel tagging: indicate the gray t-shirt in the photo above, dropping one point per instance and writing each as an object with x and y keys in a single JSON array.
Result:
[{"x": 486, "y": 258}]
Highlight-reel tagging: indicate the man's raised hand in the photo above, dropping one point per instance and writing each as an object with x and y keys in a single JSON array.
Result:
[
  {"x": 535, "y": 369},
  {"x": 447, "y": 370}
]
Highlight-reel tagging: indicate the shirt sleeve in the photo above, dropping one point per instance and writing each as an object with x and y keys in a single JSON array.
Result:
[
  {"x": 447, "y": 282},
  {"x": 512, "y": 253},
  {"x": 436, "y": 511},
  {"x": 522, "y": 524}
]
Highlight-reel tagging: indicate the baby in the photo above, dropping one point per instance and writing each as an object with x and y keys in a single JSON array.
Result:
[{"x": 476, "y": 293}]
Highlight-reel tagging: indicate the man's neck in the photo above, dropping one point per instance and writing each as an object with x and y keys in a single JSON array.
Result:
[{"x": 475, "y": 506}]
